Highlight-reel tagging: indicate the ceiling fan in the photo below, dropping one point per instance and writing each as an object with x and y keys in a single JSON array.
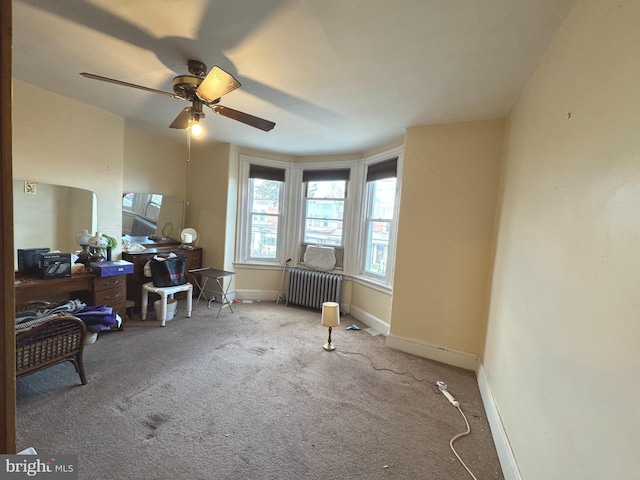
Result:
[{"x": 201, "y": 89}]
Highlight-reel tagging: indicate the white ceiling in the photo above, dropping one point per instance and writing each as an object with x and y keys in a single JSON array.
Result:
[{"x": 337, "y": 76}]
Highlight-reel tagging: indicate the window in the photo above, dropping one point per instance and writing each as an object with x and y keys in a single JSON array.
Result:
[
  {"x": 351, "y": 205},
  {"x": 380, "y": 213},
  {"x": 265, "y": 215},
  {"x": 127, "y": 201},
  {"x": 260, "y": 233},
  {"x": 325, "y": 195}
]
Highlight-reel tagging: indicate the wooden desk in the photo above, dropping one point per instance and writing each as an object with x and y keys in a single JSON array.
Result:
[
  {"x": 29, "y": 289},
  {"x": 110, "y": 291}
]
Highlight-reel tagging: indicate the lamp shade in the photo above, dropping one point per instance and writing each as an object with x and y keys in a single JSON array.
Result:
[
  {"x": 330, "y": 314},
  {"x": 98, "y": 241},
  {"x": 83, "y": 238}
]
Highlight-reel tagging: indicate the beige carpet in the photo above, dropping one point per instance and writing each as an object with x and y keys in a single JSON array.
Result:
[{"x": 253, "y": 395}]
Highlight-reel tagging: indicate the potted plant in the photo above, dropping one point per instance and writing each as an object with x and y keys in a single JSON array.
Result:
[{"x": 111, "y": 244}]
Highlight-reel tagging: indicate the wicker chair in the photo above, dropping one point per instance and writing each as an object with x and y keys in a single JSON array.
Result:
[{"x": 57, "y": 340}]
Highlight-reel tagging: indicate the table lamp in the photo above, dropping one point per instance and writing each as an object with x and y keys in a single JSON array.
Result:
[
  {"x": 98, "y": 243},
  {"x": 84, "y": 256},
  {"x": 188, "y": 237},
  {"x": 330, "y": 318}
]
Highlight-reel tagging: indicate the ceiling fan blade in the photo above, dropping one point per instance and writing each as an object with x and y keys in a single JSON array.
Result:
[
  {"x": 182, "y": 120},
  {"x": 127, "y": 84},
  {"x": 216, "y": 84},
  {"x": 245, "y": 118}
]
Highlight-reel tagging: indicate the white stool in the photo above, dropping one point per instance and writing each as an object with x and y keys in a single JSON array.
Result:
[{"x": 164, "y": 292}]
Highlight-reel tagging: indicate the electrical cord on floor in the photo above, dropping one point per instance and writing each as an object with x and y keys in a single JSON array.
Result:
[
  {"x": 457, "y": 437},
  {"x": 382, "y": 369},
  {"x": 438, "y": 387}
]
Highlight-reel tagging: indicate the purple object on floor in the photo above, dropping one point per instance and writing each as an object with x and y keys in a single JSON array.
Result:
[{"x": 97, "y": 317}]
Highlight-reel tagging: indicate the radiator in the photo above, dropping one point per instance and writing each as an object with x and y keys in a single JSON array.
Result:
[{"x": 309, "y": 288}]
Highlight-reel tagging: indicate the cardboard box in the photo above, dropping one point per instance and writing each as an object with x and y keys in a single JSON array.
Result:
[
  {"x": 55, "y": 265},
  {"x": 29, "y": 260},
  {"x": 111, "y": 269}
]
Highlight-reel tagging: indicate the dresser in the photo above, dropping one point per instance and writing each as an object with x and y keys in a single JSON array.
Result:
[
  {"x": 111, "y": 291},
  {"x": 193, "y": 259}
]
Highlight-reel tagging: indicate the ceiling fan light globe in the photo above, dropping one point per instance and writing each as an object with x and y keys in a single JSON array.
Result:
[{"x": 196, "y": 129}]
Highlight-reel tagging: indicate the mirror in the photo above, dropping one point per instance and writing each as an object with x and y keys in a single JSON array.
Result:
[
  {"x": 46, "y": 215},
  {"x": 153, "y": 215}
]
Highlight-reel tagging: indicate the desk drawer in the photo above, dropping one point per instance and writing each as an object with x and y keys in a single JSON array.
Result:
[
  {"x": 108, "y": 283},
  {"x": 111, "y": 291},
  {"x": 110, "y": 297}
]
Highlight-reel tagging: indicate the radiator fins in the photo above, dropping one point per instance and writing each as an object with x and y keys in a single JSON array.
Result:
[{"x": 309, "y": 288}]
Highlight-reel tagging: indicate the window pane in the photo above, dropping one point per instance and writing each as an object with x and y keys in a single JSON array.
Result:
[
  {"x": 383, "y": 198},
  {"x": 377, "y": 247},
  {"x": 326, "y": 232},
  {"x": 265, "y": 207},
  {"x": 325, "y": 209},
  {"x": 327, "y": 189},
  {"x": 323, "y": 221},
  {"x": 127, "y": 200},
  {"x": 265, "y": 195},
  {"x": 264, "y": 236}
]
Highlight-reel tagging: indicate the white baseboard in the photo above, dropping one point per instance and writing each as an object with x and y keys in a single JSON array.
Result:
[
  {"x": 369, "y": 320},
  {"x": 262, "y": 295},
  {"x": 231, "y": 295},
  {"x": 508, "y": 462},
  {"x": 457, "y": 358}
]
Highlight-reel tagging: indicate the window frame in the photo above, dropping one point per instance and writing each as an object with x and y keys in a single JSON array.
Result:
[
  {"x": 252, "y": 212},
  {"x": 243, "y": 227},
  {"x": 365, "y": 219},
  {"x": 349, "y": 212},
  {"x": 305, "y": 206},
  {"x": 293, "y": 214}
]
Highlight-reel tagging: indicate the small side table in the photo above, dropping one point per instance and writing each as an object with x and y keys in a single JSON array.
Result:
[{"x": 220, "y": 276}]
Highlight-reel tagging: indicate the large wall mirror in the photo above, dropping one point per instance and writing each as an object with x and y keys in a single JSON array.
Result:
[
  {"x": 153, "y": 215},
  {"x": 46, "y": 215}
]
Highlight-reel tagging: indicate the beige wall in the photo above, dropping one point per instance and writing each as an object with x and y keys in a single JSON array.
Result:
[
  {"x": 61, "y": 141},
  {"x": 52, "y": 217},
  {"x": 449, "y": 191},
  {"x": 82, "y": 146},
  {"x": 209, "y": 173},
  {"x": 370, "y": 300},
  {"x": 154, "y": 164},
  {"x": 253, "y": 280},
  {"x": 562, "y": 356}
]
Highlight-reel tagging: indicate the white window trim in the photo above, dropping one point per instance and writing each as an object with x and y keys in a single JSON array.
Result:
[
  {"x": 348, "y": 215},
  {"x": 361, "y": 251},
  {"x": 242, "y": 254},
  {"x": 291, "y": 232}
]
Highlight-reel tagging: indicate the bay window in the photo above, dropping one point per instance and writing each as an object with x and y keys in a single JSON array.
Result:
[{"x": 351, "y": 205}]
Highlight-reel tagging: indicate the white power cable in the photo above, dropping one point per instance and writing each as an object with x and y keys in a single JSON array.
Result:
[
  {"x": 443, "y": 389},
  {"x": 457, "y": 437}
]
